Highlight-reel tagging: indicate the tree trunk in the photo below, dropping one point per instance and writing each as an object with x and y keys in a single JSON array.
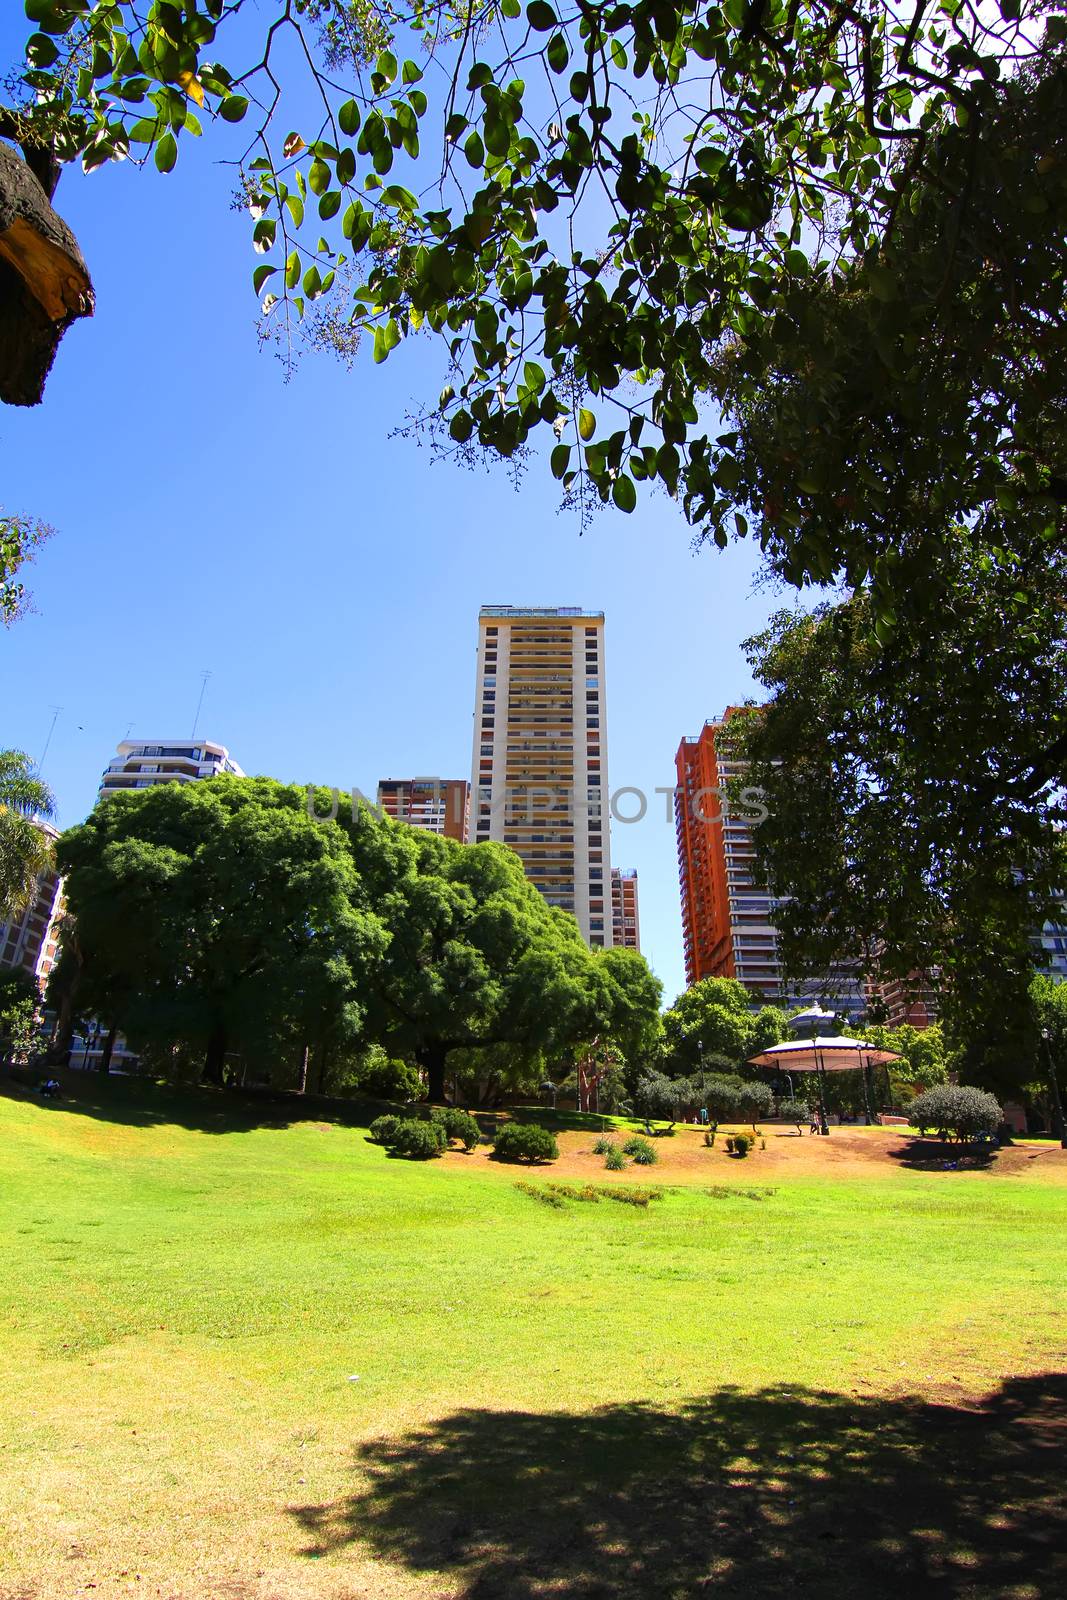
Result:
[
  {"x": 431, "y": 1059},
  {"x": 109, "y": 1045},
  {"x": 215, "y": 1060},
  {"x": 304, "y": 1070},
  {"x": 44, "y": 283}
]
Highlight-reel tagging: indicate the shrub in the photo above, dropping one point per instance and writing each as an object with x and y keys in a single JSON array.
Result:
[
  {"x": 384, "y": 1128},
  {"x": 957, "y": 1108},
  {"x": 458, "y": 1124},
  {"x": 739, "y": 1144},
  {"x": 643, "y": 1153},
  {"x": 572, "y": 1191},
  {"x": 615, "y": 1160},
  {"x": 382, "y": 1077},
  {"x": 525, "y": 1141},
  {"x": 797, "y": 1111},
  {"x": 709, "y": 1139},
  {"x": 546, "y": 1195},
  {"x": 629, "y": 1195},
  {"x": 602, "y": 1145},
  {"x": 419, "y": 1139}
]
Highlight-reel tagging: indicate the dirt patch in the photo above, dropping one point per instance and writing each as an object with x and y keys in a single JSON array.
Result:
[{"x": 845, "y": 1153}]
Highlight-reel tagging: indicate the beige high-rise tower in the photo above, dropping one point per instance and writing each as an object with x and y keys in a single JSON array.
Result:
[{"x": 540, "y": 770}]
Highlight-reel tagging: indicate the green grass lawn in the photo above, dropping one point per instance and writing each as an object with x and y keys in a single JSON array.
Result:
[{"x": 268, "y": 1360}]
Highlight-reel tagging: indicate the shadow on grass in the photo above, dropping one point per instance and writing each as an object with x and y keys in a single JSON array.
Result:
[
  {"x": 144, "y": 1103},
  {"x": 938, "y": 1155},
  {"x": 780, "y": 1492}
]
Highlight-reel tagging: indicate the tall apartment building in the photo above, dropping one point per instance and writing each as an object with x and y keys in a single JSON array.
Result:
[
  {"x": 29, "y": 941},
  {"x": 141, "y": 763},
  {"x": 726, "y": 910},
  {"x": 539, "y": 775},
  {"x": 899, "y": 1001},
  {"x": 625, "y": 919},
  {"x": 438, "y": 805}
]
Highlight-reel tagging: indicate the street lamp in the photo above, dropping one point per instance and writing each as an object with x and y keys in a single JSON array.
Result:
[{"x": 1054, "y": 1084}]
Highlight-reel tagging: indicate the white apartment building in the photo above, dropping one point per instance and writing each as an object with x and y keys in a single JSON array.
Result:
[
  {"x": 540, "y": 771},
  {"x": 141, "y": 763}
]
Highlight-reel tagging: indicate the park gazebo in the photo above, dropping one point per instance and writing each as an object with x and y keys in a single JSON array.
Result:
[{"x": 824, "y": 1053}]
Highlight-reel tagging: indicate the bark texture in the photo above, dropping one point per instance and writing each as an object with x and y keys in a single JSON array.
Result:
[{"x": 44, "y": 282}]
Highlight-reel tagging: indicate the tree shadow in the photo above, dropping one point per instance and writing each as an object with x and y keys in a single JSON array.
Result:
[
  {"x": 938, "y": 1155},
  {"x": 781, "y": 1492},
  {"x": 143, "y": 1103}
]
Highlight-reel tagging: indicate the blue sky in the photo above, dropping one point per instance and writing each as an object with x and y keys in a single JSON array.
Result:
[{"x": 211, "y": 516}]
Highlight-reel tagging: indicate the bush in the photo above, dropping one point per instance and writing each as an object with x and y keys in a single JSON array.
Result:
[
  {"x": 383, "y": 1129},
  {"x": 643, "y": 1153},
  {"x": 525, "y": 1141},
  {"x": 615, "y": 1160},
  {"x": 383, "y": 1077},
  {"x": 739, "y": 1144},
  {"x": 797, "y": 1111},
  {"x": 709, "y": 1139},
  {"x": 602, "y": 1145},
  {"x": 419, "y": 1139},
  {"x": 458, "y": 1124},
  {"x": 956, "y": 1108}
]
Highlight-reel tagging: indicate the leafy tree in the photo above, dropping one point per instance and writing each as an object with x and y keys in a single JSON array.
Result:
[
  {"x": 922, "y": 1051},
  {"x": 1049, "y": 1072},
  {"x": 956, "y": 1108},
  {"x": 26, "y": 850},
  {"x": 20, "y": 538},
  {"x": 19, "y": 1014},
  {"x": 658, "y": 1096},
  {"x": 381, "y": 1077},
  {"x": 913, "y": 819},
  {"x": 598, "y": 273},
  {"x": 714, "y": 1019},
  {"x": 478, "y": 962},
  {"x": 221, "y": 911}
]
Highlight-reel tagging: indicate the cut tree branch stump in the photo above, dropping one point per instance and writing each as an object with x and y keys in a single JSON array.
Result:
[{"x": 44, "y": 282}]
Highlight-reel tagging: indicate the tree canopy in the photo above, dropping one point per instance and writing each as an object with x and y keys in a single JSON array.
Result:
[
  {"x": 224, "y": 916},
  {"x": 640, "y": 221},
  {"x": 713, "y": 1023},
  {"x": 26, "y": 850}
]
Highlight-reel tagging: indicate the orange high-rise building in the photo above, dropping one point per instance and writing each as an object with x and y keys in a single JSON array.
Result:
[{"x": 726, "y": 914}]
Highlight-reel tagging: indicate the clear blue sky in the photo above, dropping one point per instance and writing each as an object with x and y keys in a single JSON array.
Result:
[{"x": 210, "y": 515}]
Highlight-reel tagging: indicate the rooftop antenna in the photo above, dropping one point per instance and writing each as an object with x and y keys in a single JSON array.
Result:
[
  {"x": 199, "y": 704},
  {"x": 55, "y": 710}
]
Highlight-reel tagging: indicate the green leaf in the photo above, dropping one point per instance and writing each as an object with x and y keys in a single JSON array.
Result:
[
  {"x": 330, "y": 204},
  {"x": 623, "y": 493},
  {"x": 474, "y": 150},
  {"x": 233, "y": 108},
  {"x": 586, "y": 424},
  {"x": 558, "y": 53},
  {"x": 166, "y": 152},
  {"x": 385, "y": 66},
  {"x": 561, "y": 460},
  {"x": 292, "y": 270},
  {"x": 348, "y": 118},
  {"x": 260, "y": 276},
  {"x": 318, "y": 176},
  {"x": 461, "y": 427},
  {"x": 540, "y": 16}
]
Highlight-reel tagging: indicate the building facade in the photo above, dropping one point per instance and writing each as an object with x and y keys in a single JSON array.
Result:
[
  {"x": 29, "y": 942},
  {"x": 539, "y": 772},
  {"x": 438, "y": 805},
  {"x": 625, "y": 918},
  {"x": 142, "y": 763},
  {"x": 726, "y": 910}
]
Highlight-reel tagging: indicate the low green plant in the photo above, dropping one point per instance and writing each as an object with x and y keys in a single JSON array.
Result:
[
  {"x": 543, "y": 1192},
  {"x": 643, "y": 1153},
  {"x": 629, "y": 1194},
  {"x": 458, "y": 1124},
  {"x": 420, "y": 1140},
  {"x": 602, "y": 1145},
  {"x": 574, "y": 1191},
  {"x": 383, "y": 1129},
  {"x": 725, "y": 1191},
  {"x": 615, "y": 1159},
  {"x": 525, "y": 1141},
  {"x": 709, "y": 1139},
  {"x": 739, "y": 1144}
]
